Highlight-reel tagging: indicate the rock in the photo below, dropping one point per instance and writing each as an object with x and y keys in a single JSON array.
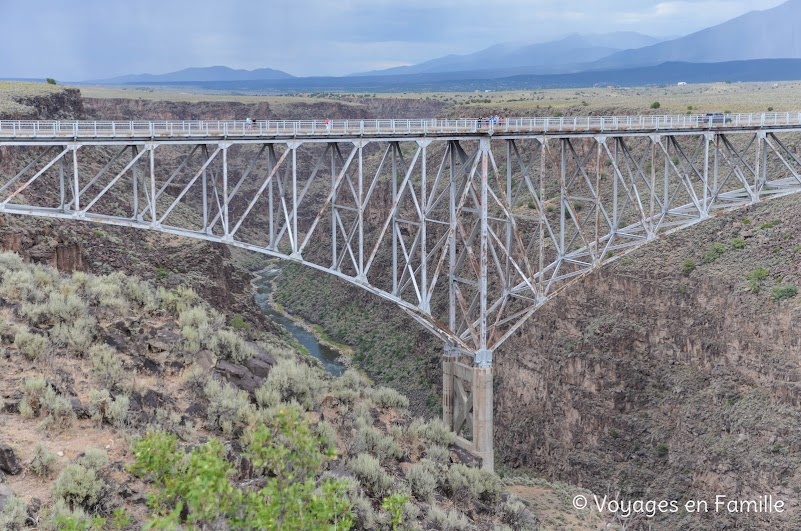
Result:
[
  {"x": 81, "y": 411},
  {"x": 5, "y": 493},
  {"x": 149, "y": 365},
  {"x": 195, "y": 410},
  {"x": 405, "y": 468},
  {"x": 206, "y": 359},
  {"x": 154, "y": 400},
  {"x": 8, "y": 460},
  {"x": 10, "y": 406},
  {"x": 163, "y": 341},
  {"x": 239, "y": 376},
  {"x": 261, "y": 364},
  {"x": 460, "y": 455},
  {"x": 118, "y": 340}
]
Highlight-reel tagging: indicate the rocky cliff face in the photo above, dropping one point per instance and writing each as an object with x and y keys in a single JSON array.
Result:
[{"x": 665, "y": 386}]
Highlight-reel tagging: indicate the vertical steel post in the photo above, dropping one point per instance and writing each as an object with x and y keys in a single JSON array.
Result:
[
  {"x": 135, "y": 184},
  {"x": 508, "y": 265},
  {"x": 76, "y": 191},
  {"x": 395, "y": 151},
  {"x": 205, "y": 191},
  {"x": 295, "y": 245},
  {"x": 706, "y": 176},
  {"x": 423, "y": 233},
  {"x": 563, "y": 181},
  {"x": 271, "y": 160},
  {"x": 61, "y": 183},
  {"x": 763, "y": 174},
  {"x": 452, "y": 237},
  {"x": 484, "y": 243},
  {"x": 152, "y": 148},
  {"x": 334, "y": 209},
  {"x": 716, "y": 169},
  {"x": 226, "y": 227},
  {"x": 360, "y": 206}
]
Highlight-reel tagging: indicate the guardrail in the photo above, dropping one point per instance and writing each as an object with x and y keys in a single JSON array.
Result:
[{"x": 306, "y": 128}]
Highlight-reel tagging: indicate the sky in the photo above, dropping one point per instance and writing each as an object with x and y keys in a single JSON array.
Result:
[{"x": 76, "y": 40}]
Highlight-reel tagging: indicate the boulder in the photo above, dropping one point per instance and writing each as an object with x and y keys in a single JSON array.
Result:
[
  {"x": 163, "y": 340},
  {"x": 81, "y": 411},
  {"x": 8, "y": 460},
  {"x": 206, "y": 359},
  {"x": 239, "y": 376},
  {"x": 261, "y": 364},
  {"x": 5, "y": 493}
]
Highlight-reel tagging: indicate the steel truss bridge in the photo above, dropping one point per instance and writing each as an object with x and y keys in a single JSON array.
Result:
[{"x": 468, "y": 226}]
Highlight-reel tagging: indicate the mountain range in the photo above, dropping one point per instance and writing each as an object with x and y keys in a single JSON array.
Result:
[{"x": 755, "y": 46}]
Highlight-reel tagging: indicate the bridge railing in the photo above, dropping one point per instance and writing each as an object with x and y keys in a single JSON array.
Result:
[{"x": 306, "y": 128}]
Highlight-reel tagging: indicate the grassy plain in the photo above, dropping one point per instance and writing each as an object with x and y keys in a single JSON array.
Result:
[{"x": 701, "y": 98}]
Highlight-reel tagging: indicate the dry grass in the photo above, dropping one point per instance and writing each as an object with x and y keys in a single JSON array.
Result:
[
  {"x": 694, "y": 98},
  {"x": 13, "y": 91}
]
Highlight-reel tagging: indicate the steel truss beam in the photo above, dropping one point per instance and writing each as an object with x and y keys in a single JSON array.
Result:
[{"x": 468, "y": 234}]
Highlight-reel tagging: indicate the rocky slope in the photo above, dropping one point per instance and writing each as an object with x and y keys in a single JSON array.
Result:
[{"x": 93, "y": 366}]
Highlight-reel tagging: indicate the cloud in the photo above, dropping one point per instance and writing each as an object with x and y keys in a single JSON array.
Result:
[{"x": 101, "y": 38}]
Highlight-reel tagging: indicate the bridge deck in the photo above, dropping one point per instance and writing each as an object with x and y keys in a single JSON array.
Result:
[{"x": 350, "y": 129}]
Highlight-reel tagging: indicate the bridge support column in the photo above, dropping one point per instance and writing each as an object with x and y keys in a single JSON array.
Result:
[
  {"x": 467, "y": 401},
  {"x": 483, "y": 432},
  {"x": 447, "y": 389}
]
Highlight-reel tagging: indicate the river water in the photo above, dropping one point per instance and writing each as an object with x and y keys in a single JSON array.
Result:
[{"x": 263, "y": 287}]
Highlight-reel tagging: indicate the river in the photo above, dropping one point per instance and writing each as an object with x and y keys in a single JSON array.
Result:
[{"x": 263, "y": 287}]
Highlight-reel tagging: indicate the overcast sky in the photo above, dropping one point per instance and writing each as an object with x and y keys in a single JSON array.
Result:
[{"x": 75, "y": 40}]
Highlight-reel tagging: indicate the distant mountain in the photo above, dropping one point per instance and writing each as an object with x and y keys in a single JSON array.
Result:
[
  {"x": 771, "y": 34},
  {"x": 210, "y": 73},
  {"x": 664, "y": 74},
  {"x": 561, "y": 55}
]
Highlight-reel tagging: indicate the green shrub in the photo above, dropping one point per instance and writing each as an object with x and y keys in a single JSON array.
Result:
[
  {"x": 31, "y": 345},
  {"x": 517, "y": 516},
  {"x": 14, "y": 514},
  {"x": 107, "y": 365},
  {"x": 42, "y": 461},
  {"x": 436, "y": 432},
  {"x": 656, "y": 105},
  {"x": 756, "y": 277},
  {"x": 199, "y": 484},
  {"x": 56, "y": 409},
  {"x": 104, "y": 407},
  {"x": 452, "y": 520},
  {"x": 372, "y": 477},
  {"x": 294, "y": 381},
  {"x": 438, "y": 454},
  {"x": 662, "y": 450},
  {"x": 229, "y": 408},
  {"x": 471, "y": 484},
  {"x": 770, "y": 224},
  {"x": 738, "y": 244},
  {"x": 387, "y": 397},
  {"x": 715, "y": 251},
  {"x": 783, "y": 291},
  {"x": 422, "y": 479},
  {"x": 94, "y": 459},
  {"x": 79, "y": 486},
  {"x": 368, "y": 439},
  {"x": 75, "y": 336},
  {"x": 228, "y": 345},
  {"x": 394, "y": 506},
  {"x": 33, "y": 390}
]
